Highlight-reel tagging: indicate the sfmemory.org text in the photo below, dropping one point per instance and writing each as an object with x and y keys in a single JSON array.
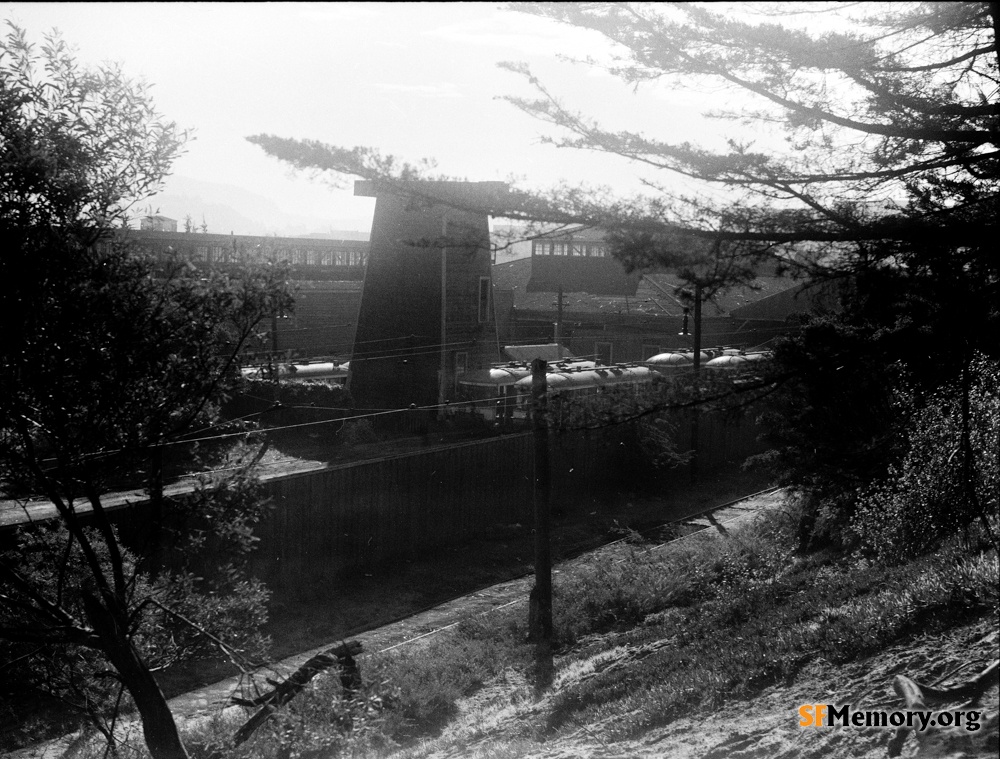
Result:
[{"x": 829, "y": 715}]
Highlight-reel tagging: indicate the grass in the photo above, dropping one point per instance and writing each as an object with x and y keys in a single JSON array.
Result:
[
  {"x": 752, "y": 615},
  {"x": 644, "y": 637}
]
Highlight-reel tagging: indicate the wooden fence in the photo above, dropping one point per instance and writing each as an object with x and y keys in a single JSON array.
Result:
[{"x": 355, "y": 515}]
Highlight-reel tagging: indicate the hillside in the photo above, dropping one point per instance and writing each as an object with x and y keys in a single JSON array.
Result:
[
  {"x": 632, "y": 691},
  {"x": 705, "y": 646},
  {"x": 682, "y": 645},
  {"x": 765, "y": 725}
]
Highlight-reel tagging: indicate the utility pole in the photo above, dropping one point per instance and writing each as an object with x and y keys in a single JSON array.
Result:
[
  {"x": 540, "y": 600},
  {"x": 274, "y": 356},
  {"x": 695, "y": 410},
  {"x": 558, "y": 324},
  {"x": 443, "y": 371}
]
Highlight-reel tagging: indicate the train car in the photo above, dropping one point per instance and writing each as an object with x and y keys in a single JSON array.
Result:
[
  {"x": 582, "y": 378},
  {"x": 710, "y": 358},
  {"x": 327, "y": 370}
]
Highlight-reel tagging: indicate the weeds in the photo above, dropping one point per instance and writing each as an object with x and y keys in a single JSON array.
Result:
[
  {"x": 646, "y": 637},
  {"x": 745, "y": 614}
]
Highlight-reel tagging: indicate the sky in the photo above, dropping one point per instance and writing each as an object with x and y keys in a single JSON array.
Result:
[{"x": 416, "y": 80}]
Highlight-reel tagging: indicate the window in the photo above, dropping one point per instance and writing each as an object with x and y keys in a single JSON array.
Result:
[
  {"x": 604, "y": 353},
  {"x": 559, "y": 249},
  {"x": 217, "y": 254},
  {"x": 326, "y": 258},
  {"x": 484, "y": 299},
  {"x": 541, "y": 248},
  {"x": 298, "y": 256},
  {"x": 312, "y": 257},
  {"x": 600, "y": 251},
  {"x": 200, "y": 253}
]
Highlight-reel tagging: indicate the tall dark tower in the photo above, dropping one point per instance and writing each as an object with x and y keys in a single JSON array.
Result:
[{"x": 428, "y": 239}]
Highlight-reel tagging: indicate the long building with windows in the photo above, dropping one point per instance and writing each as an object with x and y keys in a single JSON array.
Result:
[{"x": 326, "y": 277}]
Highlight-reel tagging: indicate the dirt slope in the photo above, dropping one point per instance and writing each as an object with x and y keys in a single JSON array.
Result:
[{"x": 766, "y": 726}]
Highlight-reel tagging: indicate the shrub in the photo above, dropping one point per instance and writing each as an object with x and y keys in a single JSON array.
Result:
[
  {"x": 935, "y": 491},
  {"x": 358, "y": 432},
  {"x": 612, "y": 591}
]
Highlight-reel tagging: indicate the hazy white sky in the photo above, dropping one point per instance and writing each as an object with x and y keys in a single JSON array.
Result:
[{"x": 412, "y": 79}]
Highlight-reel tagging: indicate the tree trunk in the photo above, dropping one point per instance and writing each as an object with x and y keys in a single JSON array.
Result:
[{"x": 158, "y": 726}]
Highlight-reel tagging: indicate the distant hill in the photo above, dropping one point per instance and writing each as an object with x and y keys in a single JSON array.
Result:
[{"x": 229, "y": 209}]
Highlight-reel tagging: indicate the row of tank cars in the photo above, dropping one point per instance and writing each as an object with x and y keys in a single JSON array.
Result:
[
  {"x": 509, "y": 385},
  {"x": 574, "y": 374},
  {"x": 569, "y": 373}
]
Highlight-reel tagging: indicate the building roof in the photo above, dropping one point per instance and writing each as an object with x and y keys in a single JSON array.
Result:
[
  {"x": 574, "y": 233},
  {"x": 655, "y": 293},
  {"x": 213, "y": 238},
  {"x": 572, "y": 274},
  {"x": 801, "y": 299}
]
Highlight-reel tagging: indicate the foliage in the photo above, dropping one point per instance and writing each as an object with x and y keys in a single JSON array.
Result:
[
  {"x": 739, "y": 615},
  {"x": 320, "y": 393},
  {"x": 358, "y": 432},
  {"x": 657, "y": 410},
  {"x": 108, "y": 358},
  {"x": 405, "y": 696},
  {"x": 265, "y": 404},
  {"x": 79, "y": 145},
  {"x": 834, "y": 422},
  {"x": 926, "y": 496},
  {"x": 649, "y": 636}
]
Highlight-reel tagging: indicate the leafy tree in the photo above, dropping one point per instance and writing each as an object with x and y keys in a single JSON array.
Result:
[
  {"x": 109, "y": 359},
  {"x": 932, "y": 492}
]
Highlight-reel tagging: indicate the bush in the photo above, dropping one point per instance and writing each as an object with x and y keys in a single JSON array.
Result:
[
  {"x": 407, "y": 694},
  {"x": 936, "y": 490},
  {"x": 358, "y": 432}
]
